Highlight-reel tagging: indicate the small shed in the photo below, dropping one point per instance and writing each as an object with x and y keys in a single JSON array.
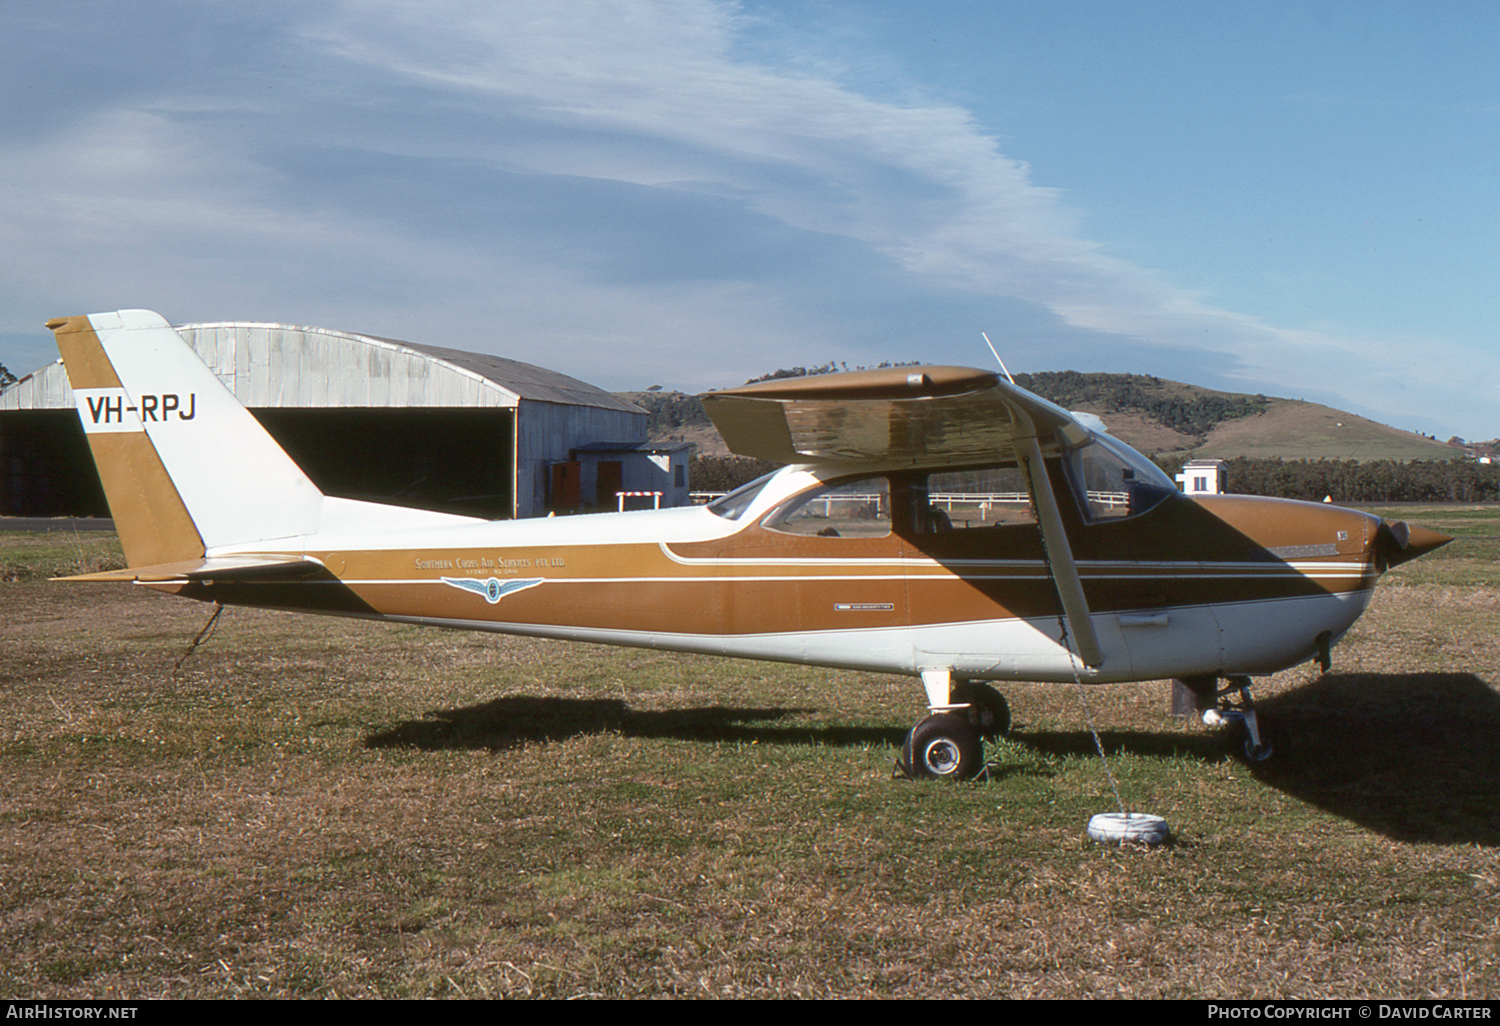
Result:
[
  {"x": 1203, "y": 477},
  {"x": 624, "y": 476},
  {"x": 366, "y": 417}
]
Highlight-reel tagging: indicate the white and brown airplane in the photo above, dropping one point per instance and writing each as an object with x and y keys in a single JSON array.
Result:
[{"x": 937, "y": 522}]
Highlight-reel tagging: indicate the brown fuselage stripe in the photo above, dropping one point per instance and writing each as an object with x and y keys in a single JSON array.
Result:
[{"x": 650, "y": 593}]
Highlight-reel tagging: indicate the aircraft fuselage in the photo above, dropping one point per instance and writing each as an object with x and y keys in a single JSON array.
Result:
[{"x": 1213, "y": 585}]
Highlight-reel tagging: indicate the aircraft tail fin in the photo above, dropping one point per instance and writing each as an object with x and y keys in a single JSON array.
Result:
[{"x": 185, "y": 467}]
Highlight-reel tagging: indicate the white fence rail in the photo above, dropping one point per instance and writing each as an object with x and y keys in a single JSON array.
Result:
[{"x": 945, "y": 499}]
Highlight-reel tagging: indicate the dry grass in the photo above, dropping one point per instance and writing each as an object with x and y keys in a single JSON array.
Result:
[{"x": 333, "y": 808}]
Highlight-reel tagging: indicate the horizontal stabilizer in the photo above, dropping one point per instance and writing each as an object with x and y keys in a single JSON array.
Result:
[{"x": 221, "y": 568}]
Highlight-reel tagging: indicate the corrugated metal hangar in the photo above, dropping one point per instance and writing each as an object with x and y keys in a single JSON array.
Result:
[{"x": 369, "y": 418}]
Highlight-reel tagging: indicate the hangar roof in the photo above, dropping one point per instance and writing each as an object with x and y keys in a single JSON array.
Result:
[{"x": 271, "y": 365}]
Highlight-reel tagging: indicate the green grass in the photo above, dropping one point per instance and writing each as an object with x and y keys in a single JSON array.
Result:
[
  {"x": 28, "y": 555},
  {"x": 322, "y": 808}
]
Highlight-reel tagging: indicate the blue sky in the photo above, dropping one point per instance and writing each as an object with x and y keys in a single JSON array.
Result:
[{"x": 1296, "y": 198}]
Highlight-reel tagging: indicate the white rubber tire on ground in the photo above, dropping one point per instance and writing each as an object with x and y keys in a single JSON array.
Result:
[{"x": 1135, "y": 827}]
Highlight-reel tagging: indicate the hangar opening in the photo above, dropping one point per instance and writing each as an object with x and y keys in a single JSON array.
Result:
[
  {"x": 449, "y": 460},
  {"x": 365, "y": 418}
]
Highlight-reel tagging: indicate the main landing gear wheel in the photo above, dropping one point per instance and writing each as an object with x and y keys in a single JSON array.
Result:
[
  {"x": 943, "y": 747},
  {"x": 987, "y": 712}
]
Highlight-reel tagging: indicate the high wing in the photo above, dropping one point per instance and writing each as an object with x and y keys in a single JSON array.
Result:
[
  {"x": 917, "y": 417},
  {"x": 902, "y": 416}
]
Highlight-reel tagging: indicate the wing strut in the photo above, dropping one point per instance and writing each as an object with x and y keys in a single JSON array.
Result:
[{"x": 1059, "y": 552}]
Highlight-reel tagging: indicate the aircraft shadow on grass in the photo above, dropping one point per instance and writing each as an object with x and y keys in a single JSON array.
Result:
[
  {"x": 515, "y": 720},
  {"x": 1414, "y": 757}
]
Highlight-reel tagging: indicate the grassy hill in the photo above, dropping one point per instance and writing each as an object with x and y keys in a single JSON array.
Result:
[
  {"x": 1164, "y": 417},
  {"x": 1156, "y": 416},
  {"x": 1295, "y": 430},
  {"x": 1288, "y": 429}
]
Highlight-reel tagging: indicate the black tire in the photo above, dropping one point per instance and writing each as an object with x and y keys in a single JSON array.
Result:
[
  {"x": 1270, "y": 754},
  {"x": 988, "y": 711},
  {"x": 943, "y": 747}
]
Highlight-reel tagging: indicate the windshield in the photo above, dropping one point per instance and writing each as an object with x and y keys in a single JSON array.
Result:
[{"x": 1115, "y": 480}]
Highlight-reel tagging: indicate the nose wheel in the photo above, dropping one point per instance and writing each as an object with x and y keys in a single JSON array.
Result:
[
  {"x": 1267, "y": 751},
  {"x": 1252, "y": 740}
]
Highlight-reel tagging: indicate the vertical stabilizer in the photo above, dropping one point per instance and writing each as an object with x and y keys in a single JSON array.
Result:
[{"x": 185, "y": 467}]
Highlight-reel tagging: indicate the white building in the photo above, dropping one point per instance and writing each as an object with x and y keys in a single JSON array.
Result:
[{"x": 1203, "y": 477}]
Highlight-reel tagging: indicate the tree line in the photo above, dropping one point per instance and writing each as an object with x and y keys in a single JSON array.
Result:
[
  {"x": 725, "y": 473},
  {"x": 1373, "y": 481},
  {"x": 1376, "y": 481}
]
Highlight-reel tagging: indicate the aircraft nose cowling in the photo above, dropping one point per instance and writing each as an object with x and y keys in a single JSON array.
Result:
[{"x": 1397, "y": 541}]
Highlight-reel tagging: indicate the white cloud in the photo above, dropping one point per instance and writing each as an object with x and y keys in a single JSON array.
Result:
[
  {"x": 919, "y": 184},
  {"x": 618, "y": 182}
]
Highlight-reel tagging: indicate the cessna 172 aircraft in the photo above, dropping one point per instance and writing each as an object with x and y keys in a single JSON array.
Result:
[{"x": 937, "y": 522}]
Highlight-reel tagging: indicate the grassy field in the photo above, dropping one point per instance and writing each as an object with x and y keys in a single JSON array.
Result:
[{"x": 322, "y": 808}]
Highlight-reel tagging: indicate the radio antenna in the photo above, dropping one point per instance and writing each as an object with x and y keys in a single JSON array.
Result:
[{"x": 997, "y": 357}]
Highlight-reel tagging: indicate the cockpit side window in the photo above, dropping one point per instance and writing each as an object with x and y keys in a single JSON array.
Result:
[
  {"x": 960, "y": 500},
  {"x": 850, "y": 508}
]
